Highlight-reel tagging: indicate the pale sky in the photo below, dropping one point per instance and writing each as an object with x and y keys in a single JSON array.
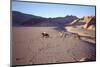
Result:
[{"x": 53, "y": 10}]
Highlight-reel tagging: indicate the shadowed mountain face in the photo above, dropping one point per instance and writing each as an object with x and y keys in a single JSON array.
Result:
[{"x": 22, "y": 19}]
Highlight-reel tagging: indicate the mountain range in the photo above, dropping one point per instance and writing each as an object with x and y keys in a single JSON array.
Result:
[{"x": 22, "y": 19}]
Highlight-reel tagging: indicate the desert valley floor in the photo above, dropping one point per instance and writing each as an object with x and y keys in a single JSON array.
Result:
[{"x": 29, "y": 47}]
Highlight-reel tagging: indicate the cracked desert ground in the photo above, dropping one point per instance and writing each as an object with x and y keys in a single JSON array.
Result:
[{"x": 29, "y": 47}]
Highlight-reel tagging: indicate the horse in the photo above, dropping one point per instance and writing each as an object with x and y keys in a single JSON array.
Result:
[{"x": 44, "y": 34}]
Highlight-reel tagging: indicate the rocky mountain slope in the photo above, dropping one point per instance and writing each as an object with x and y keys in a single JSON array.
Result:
[{"x": 22, "y": 19}]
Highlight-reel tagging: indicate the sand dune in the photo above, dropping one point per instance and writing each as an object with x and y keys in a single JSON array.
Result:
[{"x": 87, "y": 35}]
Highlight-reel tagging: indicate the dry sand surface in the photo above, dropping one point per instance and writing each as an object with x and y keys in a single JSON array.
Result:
[
  {"x": 29, "y": 47},
  {"x": 86, "y": 35}
]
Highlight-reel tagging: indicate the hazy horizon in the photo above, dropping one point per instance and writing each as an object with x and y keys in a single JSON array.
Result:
[{"x": 53, "y": 10}]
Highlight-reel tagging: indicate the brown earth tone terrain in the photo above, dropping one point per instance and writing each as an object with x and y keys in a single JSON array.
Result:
[
  {"x": 29, "y": 47},
  {"x": 70, "y": 39}
]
